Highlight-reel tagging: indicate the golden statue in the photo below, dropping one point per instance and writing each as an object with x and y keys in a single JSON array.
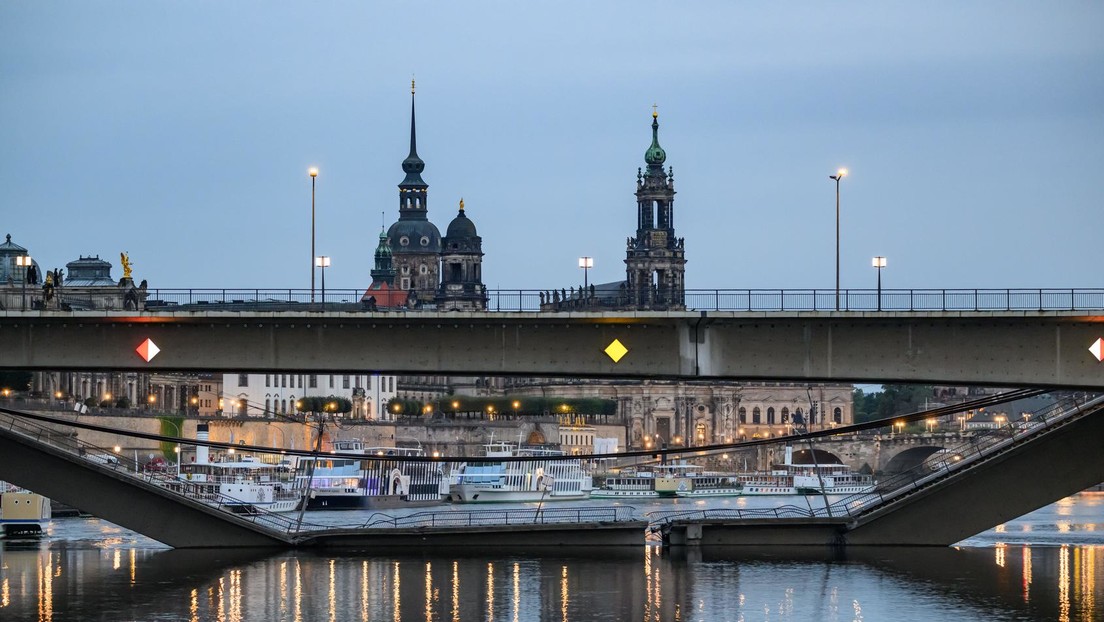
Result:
[
  {"x": 125, "y": 260},
  {"x": 461, "y": 204}
]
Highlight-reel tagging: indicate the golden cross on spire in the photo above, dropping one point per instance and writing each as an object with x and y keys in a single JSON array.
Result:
[{"x": 655, "y": 113}]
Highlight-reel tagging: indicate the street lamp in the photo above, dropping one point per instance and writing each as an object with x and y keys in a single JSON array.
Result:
[
  {"x": 900, "y": 426},
  {"x": 840, "y": 174},
  {"x": 586, "y": 263},
  {"x": 25, "y": 262},
  {"x": 879, "y": 263},
  {"x": 322, "y": 262},
  {"x": 313, "y": 172}
]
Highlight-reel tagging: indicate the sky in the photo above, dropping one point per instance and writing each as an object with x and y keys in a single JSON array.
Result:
[{"x": 181, "y": 133}]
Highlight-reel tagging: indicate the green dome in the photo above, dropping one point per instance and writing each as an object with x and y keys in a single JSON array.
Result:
[{"x": 655, "y": 155}]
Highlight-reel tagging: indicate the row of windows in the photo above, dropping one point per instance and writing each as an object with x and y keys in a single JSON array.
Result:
[
  {"x": 295, "y": 381},
  {"x": 756, "y": 415}
]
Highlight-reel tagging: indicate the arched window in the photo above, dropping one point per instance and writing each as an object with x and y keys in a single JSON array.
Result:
[
  {"x": 268, "y": 406},
  {"x": 283, "y": 406},
  {"x": 755, "y": 415},
  {"x": 837, "y": 415},
  {"x": 743, "y": 415},
  {"x": 798, "y": 416},
  {"x": 770, "y": 415},
  {"x": 785, "y": 415}
]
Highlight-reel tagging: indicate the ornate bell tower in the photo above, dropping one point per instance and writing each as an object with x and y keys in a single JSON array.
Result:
[{"x": 655, "y": 261}]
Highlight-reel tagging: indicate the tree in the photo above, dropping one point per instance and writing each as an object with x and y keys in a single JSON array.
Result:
[{"x": 328, "y": 404}]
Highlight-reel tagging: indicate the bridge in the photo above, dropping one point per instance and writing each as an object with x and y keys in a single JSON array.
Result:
[
  {"x": 998, "y": 474},
  {"x": 1005, "y": 348}
]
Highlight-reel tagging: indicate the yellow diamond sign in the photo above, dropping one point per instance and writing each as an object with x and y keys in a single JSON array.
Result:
[{"x": 616, "y": 350}]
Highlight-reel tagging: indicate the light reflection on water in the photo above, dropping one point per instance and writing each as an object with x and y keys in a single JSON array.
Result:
[{"x": 1029, "y": 569}]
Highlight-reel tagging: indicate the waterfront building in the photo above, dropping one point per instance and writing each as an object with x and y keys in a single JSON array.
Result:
[{"x": 267, "y": 395}]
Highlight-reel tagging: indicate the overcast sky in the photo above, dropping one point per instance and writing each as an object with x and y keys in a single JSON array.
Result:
[{"x": 182, "y": 132}]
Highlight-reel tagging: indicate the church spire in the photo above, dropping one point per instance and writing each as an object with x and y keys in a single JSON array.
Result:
[{"x": 413, "y": 165}]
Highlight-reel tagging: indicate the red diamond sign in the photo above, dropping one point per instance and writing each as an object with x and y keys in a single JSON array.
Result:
[
  {"x": 147, "y": 350},
  {"x": 1097, "y": 349}
]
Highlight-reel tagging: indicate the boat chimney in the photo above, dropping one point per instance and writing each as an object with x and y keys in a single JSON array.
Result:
[
  {"x": 202, "y": 451},
  {"x": 789, "y": 454}
]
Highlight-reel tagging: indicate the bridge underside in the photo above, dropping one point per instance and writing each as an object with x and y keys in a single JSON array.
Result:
[
  {"x": 123, "y": 500},
  {"x": 1039, "y": 349},
  {"x": 1022, "y": 479}
]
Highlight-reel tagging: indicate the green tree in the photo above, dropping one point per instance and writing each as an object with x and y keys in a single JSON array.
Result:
[{"x": 328, "y": 404}]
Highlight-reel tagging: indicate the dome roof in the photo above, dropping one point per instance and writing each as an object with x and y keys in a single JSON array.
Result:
[
  {"x": 414, "y": 236},
  {"x": 655, "y": 155},
  {"x": 461, "y": 226}
]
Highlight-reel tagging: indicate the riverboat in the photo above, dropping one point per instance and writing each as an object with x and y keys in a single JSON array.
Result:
[
  {"x": 243, "y": 486},
  {"x": 806, "y": 479},
  {"x": 678, "y": 479},
  {"x": 547, "y": 476},
  {"x": 385, "y": 478},
  {"x": 23, "y": 513}
]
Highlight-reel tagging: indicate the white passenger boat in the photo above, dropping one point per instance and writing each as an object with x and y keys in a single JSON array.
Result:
[
  {"x": 244, "y": 486},
  {"x": 677, "y": 479},
  {"x": 386, "y": 478},
  {"x": 806, "y": 479},
  {"x": 23, "y": 513},
  {"x": 549, "y": 476}
]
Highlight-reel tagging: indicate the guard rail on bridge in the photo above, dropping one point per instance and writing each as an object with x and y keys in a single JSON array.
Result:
[
  {"x": 531, "y": 300},
  {"x": 984, "y": 445}
]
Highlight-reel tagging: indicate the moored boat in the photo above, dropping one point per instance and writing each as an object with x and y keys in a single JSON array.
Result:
[
  {"x": 386, "y": 478},
  {"x": 23, "y": 513},
  {"x": 676, "y": 479},
  {"x": 549, "y": 475},
  {"x": 806, "y": 479},
  {"x": 242, "y": 486}
]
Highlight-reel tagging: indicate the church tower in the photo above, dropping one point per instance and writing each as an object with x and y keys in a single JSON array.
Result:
[
  {"x": 415, "y": 242},
  {"x": 655, "y": 261},
  {"x": 462, "y": 267}
]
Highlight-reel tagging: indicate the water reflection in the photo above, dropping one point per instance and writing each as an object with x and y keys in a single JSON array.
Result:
[
  {"x": 933, "y": 584},
  {"x": 1003, "y": 575}
]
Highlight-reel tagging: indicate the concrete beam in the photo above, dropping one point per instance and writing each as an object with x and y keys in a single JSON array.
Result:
[
  {"x": 1043, "y": 349},
  {"x": 122, "y": 499}
]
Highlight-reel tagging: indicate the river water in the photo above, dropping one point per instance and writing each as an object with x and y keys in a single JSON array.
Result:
[{"x": 1048, "y": 565}]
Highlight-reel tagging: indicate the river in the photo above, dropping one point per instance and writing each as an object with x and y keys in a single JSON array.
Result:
[{"x": 1047, "y": 565}]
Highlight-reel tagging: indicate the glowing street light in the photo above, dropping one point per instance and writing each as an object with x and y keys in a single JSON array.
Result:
[
  {"x": 879, "y": 263},
  {"x": 840, "y": 174},
  {"x": 323, "y": 262},
  {"x": 900, "y": 426},
  {"x": 586, "y": 263},
  {"x": 25, "y": 262}
]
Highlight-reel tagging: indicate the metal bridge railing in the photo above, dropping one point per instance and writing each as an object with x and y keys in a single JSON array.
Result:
[
  {"x": 750, "y": 300},
  {"x": 982, "y": 446},
  {"x": 105, "y": 458},
  {"x": 478, "y": 518}
]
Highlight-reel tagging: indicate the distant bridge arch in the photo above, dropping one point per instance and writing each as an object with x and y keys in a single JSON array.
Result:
[{"x": 910, "y": 458}]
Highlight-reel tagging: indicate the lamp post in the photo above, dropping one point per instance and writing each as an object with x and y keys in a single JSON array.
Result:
[
  {"x": 313, "y": 172},
  {"x": 586, "y": 263},
  {"x": 24, "y": 261},
  {"x": 322, "y": 262},
  {"x": 879, "y": 263},
  {"x": 840, "y": 174}
]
